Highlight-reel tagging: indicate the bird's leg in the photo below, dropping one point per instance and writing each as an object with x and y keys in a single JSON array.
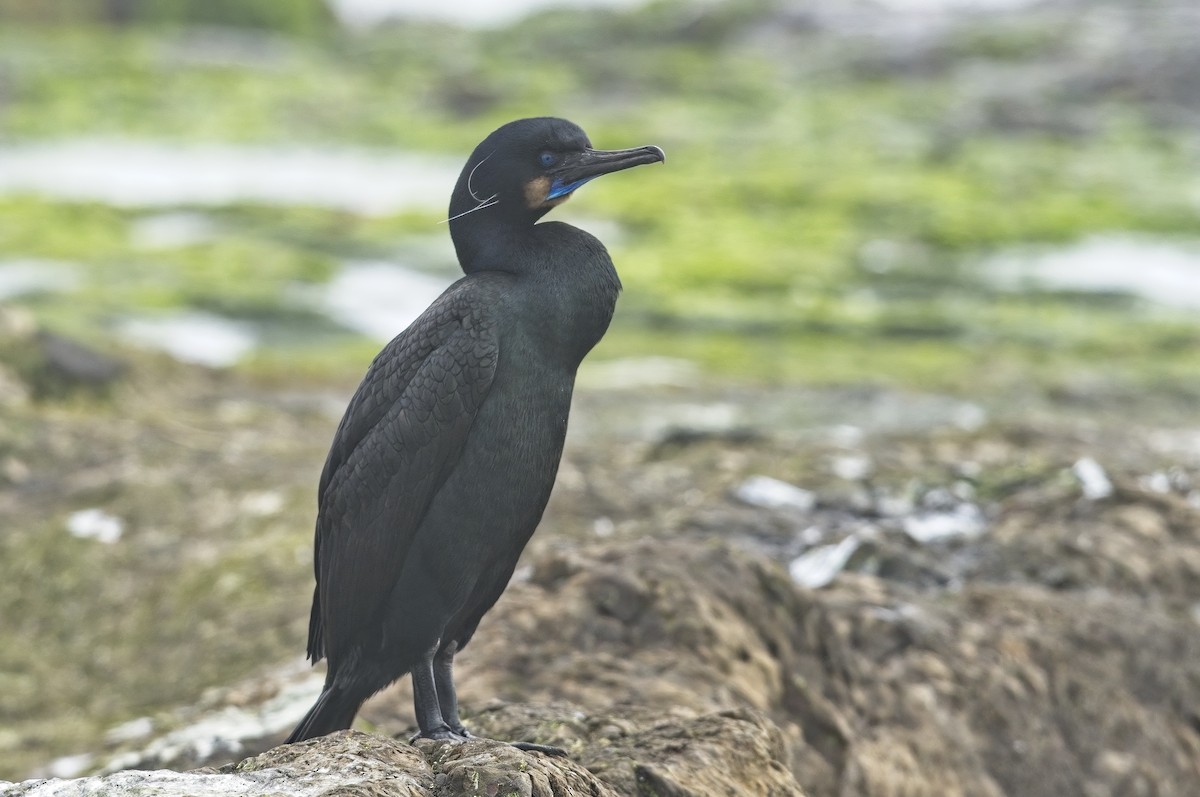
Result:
[
  {"x": 425, "y": 703},
  {"x": 443, "y": 680}
]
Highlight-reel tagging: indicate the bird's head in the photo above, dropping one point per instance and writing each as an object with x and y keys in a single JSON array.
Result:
[{"x": 525, "y": 168}]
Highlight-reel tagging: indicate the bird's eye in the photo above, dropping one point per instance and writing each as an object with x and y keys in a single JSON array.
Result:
[{"x": 547, "y": 158}]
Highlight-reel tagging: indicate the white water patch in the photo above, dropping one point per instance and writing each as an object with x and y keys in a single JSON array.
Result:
[
  {"x": 225, "y": 730},
  {"x": 95, "y": 524},
  {"x": 23, "y": 276},
  {"x": 488, "y": 13},
  {"x": 947, "y": 6},
  {"x": 470, "y": 13},
  {"x": 175, "y": 229},
  {"x": 379, "y": 298},
  {"x": 68, "y": 766},
  {"x": 1160, "y": 271},
  {"x": 193, "y": 337},
  {"x": 627, "y": 373},
  {"x": 140, "y": 173},
  {"x": 375, "y": 298}
]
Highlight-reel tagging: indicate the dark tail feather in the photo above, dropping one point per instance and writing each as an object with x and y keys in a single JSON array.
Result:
[{"x": 333, "y": 711}]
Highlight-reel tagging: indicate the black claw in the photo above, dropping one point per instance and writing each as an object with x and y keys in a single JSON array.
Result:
[
  {"x": 530, "y": 747},
  {"x": 448, "y": 733},
  {"x": 443, "y": 734}
]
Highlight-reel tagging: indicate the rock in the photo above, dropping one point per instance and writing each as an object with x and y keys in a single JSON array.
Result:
[
  {"x": 964, "y": 520},
  {"x": 1143, "y": 545},
  {"x": 876, "y": 687},
  {"x": 732, "y": 752},
  {"x": 46, "y": 364},
  {"x": 637, "y": 750},
  {"x": 851, "y": 467},
  {"x": 73, "y": 364},
  {"x": 13, "y": 391},
  {"x": 1092, "y": 479},
  {"x": 718, "y": 754},
  {"x": 349, "y": 762},
  {"x": 769, "y": 493},
  {"x": 819, "y": 566}
]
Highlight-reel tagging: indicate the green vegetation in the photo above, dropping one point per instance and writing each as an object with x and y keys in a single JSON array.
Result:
[
  {"x": 298, "y": 17},
  {"x": 813, "y": 224}
]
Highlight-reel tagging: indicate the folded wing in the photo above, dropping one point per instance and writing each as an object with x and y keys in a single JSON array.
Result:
[{"x": 402, "y": 433}]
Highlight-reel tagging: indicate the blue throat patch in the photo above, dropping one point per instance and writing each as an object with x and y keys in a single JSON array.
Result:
[{"x": 559, "y": 188}]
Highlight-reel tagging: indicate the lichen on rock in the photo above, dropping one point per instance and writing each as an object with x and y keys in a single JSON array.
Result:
[{"x": 711, "y": 755}]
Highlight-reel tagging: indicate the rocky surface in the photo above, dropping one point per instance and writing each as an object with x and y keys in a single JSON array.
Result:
[
  {"x": 42, "y": 364},
  {"x": 627, "y": 753},
  {"x": 690, "y": 666},
  {"x": 1015, "y": 612},
  {"x": 995, "y": 688}
]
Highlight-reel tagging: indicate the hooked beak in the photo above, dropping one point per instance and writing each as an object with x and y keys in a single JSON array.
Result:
[{"x": 592, "y": 163}]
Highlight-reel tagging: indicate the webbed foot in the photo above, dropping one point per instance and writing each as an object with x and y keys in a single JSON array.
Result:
[
  {"x": 457, "y": 733},
  {"x": 443, "y": 733},
  {"x": 546, "y": 749}
]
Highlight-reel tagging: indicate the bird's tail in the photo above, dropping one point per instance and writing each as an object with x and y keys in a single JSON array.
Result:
[{"x": 333, "y": 711}]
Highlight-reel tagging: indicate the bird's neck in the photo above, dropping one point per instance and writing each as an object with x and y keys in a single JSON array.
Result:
[
  {"x": 489, "y": 243},
  {"x": 576, "y": 285},
  {"x": 564, "y": 272}
]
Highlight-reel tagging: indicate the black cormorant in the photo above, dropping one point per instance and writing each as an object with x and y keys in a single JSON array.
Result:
[{"x": 444, "y": 461}]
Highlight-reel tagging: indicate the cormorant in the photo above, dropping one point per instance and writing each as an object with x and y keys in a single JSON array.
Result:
[{"x": 444, "y": 461}]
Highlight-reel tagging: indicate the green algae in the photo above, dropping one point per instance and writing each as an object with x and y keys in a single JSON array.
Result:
[{"x": 762, "y": 229}]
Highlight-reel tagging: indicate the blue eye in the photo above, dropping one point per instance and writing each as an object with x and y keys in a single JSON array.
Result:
[{"x": 547, "y": 158}]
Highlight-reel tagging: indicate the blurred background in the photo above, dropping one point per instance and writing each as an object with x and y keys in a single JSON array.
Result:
[{"x": 212, "y": 214}]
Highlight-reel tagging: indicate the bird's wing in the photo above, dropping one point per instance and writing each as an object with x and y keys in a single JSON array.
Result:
[
  {"x": 392, "y": 371},
  {"x": 402, "y": 433}
]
